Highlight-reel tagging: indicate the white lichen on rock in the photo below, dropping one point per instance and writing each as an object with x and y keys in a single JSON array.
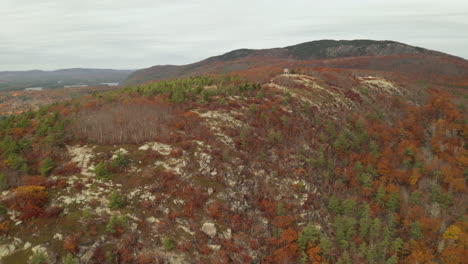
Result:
[
  {"x": 217, "y": 120},
  {"x": 380, "y": 84},
  {"x": 161, "y": 148},
  {"x": 82, "y": 156},
  {"x": 209, "y": 229}
]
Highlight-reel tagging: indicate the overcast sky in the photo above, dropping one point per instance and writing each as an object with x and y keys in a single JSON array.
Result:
[{"x": 131, "y": 34}]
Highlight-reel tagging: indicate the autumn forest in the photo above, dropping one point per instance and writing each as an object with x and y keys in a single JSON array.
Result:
[{"x": 357, "y": 159}]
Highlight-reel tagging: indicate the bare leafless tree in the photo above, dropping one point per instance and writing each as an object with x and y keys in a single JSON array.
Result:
[{"x": 131, "y": 123}]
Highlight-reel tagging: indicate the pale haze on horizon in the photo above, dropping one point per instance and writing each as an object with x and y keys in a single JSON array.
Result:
[{"x": 122, "y": 34}]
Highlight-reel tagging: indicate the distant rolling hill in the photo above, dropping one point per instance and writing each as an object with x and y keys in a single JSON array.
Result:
[
  {"x": 361, "y": 54},
  {"x": 18, "y": 80}
]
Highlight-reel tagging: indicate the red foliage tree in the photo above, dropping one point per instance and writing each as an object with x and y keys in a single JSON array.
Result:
[
  {"x": 71, "y": 244},
  {"x": 215, "y": 210}
]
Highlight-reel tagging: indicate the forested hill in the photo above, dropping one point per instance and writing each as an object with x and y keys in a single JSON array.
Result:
[
  {"x": 355, "y": 160},
  {"x": 359, "y": 54}
]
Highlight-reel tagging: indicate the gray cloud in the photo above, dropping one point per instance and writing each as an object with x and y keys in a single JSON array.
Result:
[{"x": 52, "y": 34}]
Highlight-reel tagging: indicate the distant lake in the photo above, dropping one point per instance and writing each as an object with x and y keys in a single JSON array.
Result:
[
  {"x": 75, "y": 86},
  {"x": 33, "y": 89},
  {"x": 111, "y": 84}
]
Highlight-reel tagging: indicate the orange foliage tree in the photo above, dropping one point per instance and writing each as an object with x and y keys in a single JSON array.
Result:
[
  {"x": 288, "y": 248},
  {"x": 314, "y": 253},
  {"x": 29, "y": 200}
]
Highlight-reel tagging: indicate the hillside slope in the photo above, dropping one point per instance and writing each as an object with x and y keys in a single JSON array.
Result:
[{"x": 327, "y": 166}]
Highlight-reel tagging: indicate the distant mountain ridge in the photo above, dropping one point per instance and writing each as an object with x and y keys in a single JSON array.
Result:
[
  {"x": 329, "y": 49},
  {"x": 16, "y": 80},
  {"x": 308, "y": 51}
]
